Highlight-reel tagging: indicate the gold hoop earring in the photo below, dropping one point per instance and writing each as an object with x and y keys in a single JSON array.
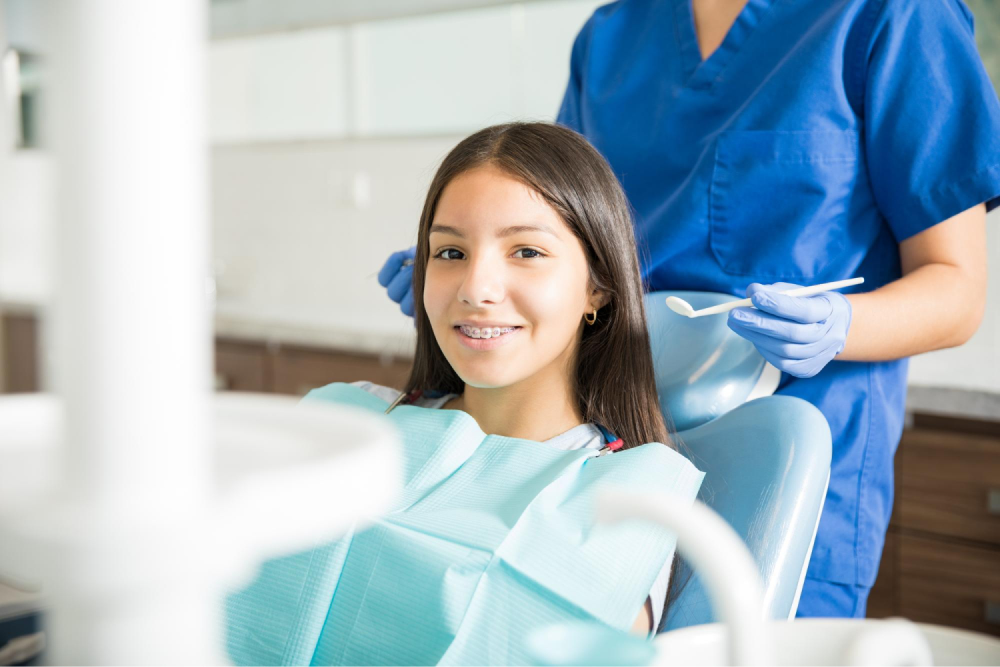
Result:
[{"x": 590, "y": 318}]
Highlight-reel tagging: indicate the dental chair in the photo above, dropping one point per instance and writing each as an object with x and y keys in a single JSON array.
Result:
[{"x": 766, "y": 458}]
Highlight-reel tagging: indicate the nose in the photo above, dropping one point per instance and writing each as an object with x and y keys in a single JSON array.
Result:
[{"x": 483, "y": 282}]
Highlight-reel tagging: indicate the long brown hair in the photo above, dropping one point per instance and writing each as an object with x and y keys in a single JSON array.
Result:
[{"x": 614, "y": 381}]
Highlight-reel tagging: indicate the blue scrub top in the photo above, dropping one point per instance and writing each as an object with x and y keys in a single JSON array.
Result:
[{"x": 819, "y": 135}]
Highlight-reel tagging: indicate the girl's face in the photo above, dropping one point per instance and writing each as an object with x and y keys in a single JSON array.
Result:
[{"x": 507, "y": 282}]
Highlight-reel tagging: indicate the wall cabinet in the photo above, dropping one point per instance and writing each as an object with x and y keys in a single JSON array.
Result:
[
  {"x": 239, "y": 365},
  {"x": 19, "y": 364},
  {"x": 941, "y": 563},
  {"x": 297, "y": 370},
  {"x": 246, "y": 366}
]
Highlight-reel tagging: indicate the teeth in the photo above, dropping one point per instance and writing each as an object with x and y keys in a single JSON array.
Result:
[{"x": 486, "y": 332}]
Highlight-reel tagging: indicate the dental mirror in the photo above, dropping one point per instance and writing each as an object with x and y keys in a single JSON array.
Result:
[{"x": 682, "y": 307}]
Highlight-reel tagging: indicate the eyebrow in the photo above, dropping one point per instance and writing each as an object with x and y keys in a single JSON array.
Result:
[{"x": 505, "y": 232}]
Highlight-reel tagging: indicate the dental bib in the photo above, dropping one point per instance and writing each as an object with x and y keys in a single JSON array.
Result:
[{"x": 490, "y": 538}]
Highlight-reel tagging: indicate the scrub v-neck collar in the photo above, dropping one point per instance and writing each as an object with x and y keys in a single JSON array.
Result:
[{"x": 703, "y": 73}]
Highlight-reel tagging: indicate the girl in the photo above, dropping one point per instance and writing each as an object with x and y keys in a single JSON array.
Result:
[{"x": 530, "y": 328}]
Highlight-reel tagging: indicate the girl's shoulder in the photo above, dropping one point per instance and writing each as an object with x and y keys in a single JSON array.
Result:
[{"x": 388, "y": 394}]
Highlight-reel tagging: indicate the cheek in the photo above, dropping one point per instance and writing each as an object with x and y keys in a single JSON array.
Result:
[
  {"x": 554, "y": 304},
  {"x": 437, "y": 295}
]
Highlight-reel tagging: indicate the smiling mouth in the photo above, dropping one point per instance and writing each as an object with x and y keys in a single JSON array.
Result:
[{"x": 486, "y": 332}]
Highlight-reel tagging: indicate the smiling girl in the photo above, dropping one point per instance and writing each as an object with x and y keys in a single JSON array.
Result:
[
  {"x": 526, "y": 230},
  {"x": 532, "y": 347}
]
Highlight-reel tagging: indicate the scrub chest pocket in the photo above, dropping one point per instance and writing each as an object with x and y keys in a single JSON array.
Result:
[{"x": 779, "y": 203}]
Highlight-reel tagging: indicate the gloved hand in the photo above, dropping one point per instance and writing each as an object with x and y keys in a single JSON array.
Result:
[
  {"x": 398, "y": 279},
  {"x": 798, "y": 334}
]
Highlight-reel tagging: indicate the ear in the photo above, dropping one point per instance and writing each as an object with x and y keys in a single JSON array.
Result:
[{"x": 599, "y": 299}]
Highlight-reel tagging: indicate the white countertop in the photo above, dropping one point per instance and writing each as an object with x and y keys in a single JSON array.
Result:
[{"x": 334, "y": 331}]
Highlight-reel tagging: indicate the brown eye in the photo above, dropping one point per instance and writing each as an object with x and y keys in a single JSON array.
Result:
[
  {"x": 446, "y": 253},
  {"x": 533, "y": 253}
]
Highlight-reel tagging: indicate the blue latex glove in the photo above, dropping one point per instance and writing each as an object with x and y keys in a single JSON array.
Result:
[
  {"x": 398, "y": 279},
  {"x": 798, "y": 334}
]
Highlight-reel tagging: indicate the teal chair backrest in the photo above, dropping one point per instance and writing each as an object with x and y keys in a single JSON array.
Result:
[{"x": 766, "y": 458}]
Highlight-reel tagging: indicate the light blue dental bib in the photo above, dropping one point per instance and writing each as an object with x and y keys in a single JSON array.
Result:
[{"x": 491, "y": 538}]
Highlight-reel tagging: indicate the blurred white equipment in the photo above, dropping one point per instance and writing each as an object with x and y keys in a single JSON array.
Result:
[
  {"x": 115, "y": 494},
  {"x": 716, "y": 551}
]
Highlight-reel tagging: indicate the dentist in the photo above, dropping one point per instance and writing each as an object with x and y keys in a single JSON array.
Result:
[{"x": 774, "y": 143}]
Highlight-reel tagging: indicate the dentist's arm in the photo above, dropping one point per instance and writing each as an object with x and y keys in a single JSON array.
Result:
[{"x": 938, "y": 303}]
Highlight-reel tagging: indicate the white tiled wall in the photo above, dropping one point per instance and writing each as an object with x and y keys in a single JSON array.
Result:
[
  {"x": 27, "y": 211},
  {"x": 293, "y": 242},
  {"x": 446, "y": 73},
  {"x": 437, "y": 74},
  {"x": 279, "y": 87},
  {"x": 548, "y": 30}
]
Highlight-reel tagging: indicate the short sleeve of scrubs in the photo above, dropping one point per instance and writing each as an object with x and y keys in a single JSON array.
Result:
[{"x": 931, "y": 115}]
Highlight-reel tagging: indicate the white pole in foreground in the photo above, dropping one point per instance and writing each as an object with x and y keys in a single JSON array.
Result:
[
  {"x": 132, "y": 323},
  {"x": 131, "y": 332},
  {"x": 142, "y": 534}
]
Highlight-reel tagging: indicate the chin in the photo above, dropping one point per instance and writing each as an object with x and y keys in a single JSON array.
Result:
[
  {"x": 484, "y": 378},
  {"x": 485, "y": 384}
]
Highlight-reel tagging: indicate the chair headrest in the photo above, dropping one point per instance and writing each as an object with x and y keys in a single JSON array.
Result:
[{"x": 702, "y": 368}]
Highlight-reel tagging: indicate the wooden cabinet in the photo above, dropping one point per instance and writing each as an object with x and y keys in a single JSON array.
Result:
[
  {"x": 20, "y": 370},
  {"x": 941, "y": 563},
  {"x": 947, "y": 482},
  {"x": 283, "y": 369},
  {"x": 240, "y": 365},
  {"x": 948, "y": 583},
  {"x": 297, "y": 369}
]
